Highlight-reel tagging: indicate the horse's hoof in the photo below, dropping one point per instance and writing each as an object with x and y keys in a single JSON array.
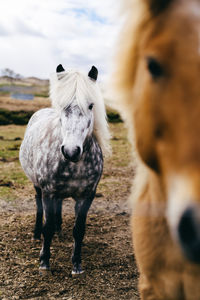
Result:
[
  {"x": 77, "y": 271},
  {"x": 36, "y": 239},
  {"x": 77, "y": 274}
]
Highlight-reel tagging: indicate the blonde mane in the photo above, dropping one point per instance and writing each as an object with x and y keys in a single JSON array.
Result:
[
  {"x": 136, "y": 16},
  {"x": 71, "y": 85}
]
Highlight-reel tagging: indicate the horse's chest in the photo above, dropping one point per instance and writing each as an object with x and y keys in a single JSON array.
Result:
[{"x": 78, "y": 178}]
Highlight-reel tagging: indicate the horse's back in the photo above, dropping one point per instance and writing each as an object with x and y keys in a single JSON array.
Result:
[{"x": 30, "y": 149}]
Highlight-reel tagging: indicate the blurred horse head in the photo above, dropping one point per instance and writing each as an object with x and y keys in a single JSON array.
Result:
[{"x": 158, "y": 76}]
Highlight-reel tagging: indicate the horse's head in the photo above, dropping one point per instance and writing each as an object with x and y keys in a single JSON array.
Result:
[
  {"x": 76, "y": 127},
  {"x": 77, "y": 121},
  {"x": 162, "y": 79}
]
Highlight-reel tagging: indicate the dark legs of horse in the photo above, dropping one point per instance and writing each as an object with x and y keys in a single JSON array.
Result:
[
  {"x": 39, "y": 214},
  {"x": 81, "y": 210},
  {"x": 49, "y": 207},
  {"x": 58, "y": 219}
]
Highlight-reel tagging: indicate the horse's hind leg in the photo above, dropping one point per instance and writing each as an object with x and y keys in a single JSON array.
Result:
[
  {"x": 39, "y": 214},
  {"x": 48, "y": 229},
  {"x": 81, "y": 210}
]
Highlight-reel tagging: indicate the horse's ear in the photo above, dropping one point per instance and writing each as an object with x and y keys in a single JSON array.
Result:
[
  {"x": 93, "y": 74},
  {"x": 157, "y": 6},
  {"x": 60, "y": 69}
]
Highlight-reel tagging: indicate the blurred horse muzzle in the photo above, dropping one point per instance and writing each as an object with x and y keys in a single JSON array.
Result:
[{"x": 189, "y": 233}]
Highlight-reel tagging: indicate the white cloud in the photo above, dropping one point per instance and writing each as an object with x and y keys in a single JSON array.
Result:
[{"x": 36, "y": 35}]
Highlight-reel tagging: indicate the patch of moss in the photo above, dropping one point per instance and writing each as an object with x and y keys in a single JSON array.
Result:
[
  {"x": 113, "y": 117},
  {"x": 42, "y": 95},
  {"x": 6, "y": 193}
]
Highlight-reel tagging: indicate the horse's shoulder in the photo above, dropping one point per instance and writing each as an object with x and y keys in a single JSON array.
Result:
[
  {"x": 44, "y": 112},
  {"x": 40, "y": 115}
]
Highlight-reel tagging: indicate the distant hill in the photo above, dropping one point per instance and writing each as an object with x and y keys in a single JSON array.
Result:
[
  {"x": 18, "y": 87},
  {"x": 36, "y": 81},
  {"x": 29, "y": 81}
]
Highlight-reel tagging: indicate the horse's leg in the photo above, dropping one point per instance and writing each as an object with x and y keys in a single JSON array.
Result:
[
  {"x": 58, "y": 220},
  {"x": 81, "y": 210},
  {"x": 39, "y": 214},
  {"x": 48, "y": 229}
]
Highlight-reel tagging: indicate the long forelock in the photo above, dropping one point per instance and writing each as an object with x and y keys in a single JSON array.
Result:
[
  {"x": 72, "y": 85},
  {"x": 65, "y": 87}
]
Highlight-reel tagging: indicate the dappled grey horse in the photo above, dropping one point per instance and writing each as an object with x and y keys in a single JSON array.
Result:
[{"x": 62, "y": 155}]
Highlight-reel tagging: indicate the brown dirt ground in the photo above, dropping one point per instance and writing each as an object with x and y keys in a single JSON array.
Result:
[{"x": 108, "y": 261}]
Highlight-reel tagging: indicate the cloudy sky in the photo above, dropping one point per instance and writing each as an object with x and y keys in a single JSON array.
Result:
[{"x": 37, "y": 35}]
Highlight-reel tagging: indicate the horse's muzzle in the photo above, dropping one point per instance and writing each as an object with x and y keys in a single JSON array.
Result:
[
  {"x": 73, "y": 156},
  {"x": 189, "y": 234}
]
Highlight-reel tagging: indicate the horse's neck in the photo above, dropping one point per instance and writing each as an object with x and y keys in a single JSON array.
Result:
[
  {"x": 156, "y": 193},
  {"x": 89, "y": 142},
  {"x": 148, "y": 191}
]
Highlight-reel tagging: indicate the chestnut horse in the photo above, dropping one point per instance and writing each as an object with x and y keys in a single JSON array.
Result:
[{"x": 158, "y": 76}]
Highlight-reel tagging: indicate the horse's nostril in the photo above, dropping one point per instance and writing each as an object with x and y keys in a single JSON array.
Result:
[
  {"x": 71, "y": 155},
  {"x": 187, "y": 229},
  {"x": 78, "y": 150},
  {"x": 76, "y": 154},
  {"x": 189, "y": 236},
  {"x": 65, "y": 153},
  {"x": 63, "y": 150}
]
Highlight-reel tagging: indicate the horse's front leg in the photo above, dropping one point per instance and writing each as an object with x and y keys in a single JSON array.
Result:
[
  {"x": 49, "y": 207},
  {"x": 81, "y": 209},
  {"x": 39, "y": 214},
  {"x": 58, "y": 220}
]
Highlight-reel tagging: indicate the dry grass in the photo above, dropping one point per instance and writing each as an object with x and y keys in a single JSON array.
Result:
[{"x": 27, "y": 105}]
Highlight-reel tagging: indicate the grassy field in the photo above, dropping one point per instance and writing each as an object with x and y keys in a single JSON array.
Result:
[{"x": 12, "y": 178}]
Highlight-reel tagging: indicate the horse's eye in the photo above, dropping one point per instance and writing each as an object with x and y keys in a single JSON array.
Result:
[
  {"x": 91, "y": 106},
  {"x": 154, "y": 68}
]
